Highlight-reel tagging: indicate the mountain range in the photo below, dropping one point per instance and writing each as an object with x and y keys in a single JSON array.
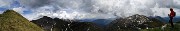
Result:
[{"x": 13, "y": 21}]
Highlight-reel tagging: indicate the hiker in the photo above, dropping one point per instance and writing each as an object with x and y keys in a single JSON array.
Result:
[{"x": 171, "y": 16}]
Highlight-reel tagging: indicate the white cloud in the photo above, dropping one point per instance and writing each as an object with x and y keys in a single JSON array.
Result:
[
  {"x": 18, "y": 9},
  {"x": 101, "y": 9},
  {"x": 5, "y": 3}
]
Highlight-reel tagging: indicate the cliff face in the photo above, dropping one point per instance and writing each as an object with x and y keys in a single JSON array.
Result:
[{"x": 13, "y": 21}]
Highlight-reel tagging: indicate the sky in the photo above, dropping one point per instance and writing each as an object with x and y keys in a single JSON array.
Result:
[{"x": 90, "y": 9}]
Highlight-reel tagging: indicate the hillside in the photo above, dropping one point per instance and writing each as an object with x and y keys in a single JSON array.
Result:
[
  {"x": 13, "y": 21},
  {"x": 134, "y": 23},
  {"x": 56, "y": 24},
  {"x": 131, "y": 23}
]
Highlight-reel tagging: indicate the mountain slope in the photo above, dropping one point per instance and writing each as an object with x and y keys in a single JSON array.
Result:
[
  {"x": 85, "y": 26},
  {"x": 134, "y": 23},
  {"x": 12, "y": 21},
  {"x": 56, "y": 24},
  {"x": 131, "y": 23}
]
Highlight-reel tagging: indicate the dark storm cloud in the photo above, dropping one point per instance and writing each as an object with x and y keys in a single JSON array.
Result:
[{"x": 34, "y": 3}]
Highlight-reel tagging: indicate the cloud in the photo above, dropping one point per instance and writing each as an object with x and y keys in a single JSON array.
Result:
[
  {"x": 1, "y": 12},
  {"x": 19, "y": 9},
  {"x": 100, "y": 9},
  {"x": 10, "y": 4},
  {"x": 34, "y": 3},
  {"x": 5, "y": 3}
]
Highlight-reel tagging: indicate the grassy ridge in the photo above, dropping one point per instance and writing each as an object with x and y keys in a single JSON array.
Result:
[
  {"x": 166, "y": 27},
  {"x": 12, "y": 21}
]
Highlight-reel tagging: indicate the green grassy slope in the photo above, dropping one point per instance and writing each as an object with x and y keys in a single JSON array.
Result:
[{"x": 12, "y": 21}]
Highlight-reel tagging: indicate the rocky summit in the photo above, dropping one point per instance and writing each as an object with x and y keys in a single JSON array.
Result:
[{"x": 134, "y": 23}]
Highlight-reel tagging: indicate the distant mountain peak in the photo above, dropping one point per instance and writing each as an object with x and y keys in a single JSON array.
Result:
[
  {"x": 64, "y": 24},
  {"x": 137, "y": 16},
  {"x": 134, "y": 22},
  {"x": 46, "y": 17}
]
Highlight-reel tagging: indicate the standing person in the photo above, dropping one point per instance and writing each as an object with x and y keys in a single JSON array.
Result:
[{"x": 171, "y": 16}]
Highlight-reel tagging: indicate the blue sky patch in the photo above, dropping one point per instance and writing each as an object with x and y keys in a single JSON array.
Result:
[
  {"x": 15, "y": 4},
  {"x": 27, "y": 12},
  {"x": 3, "y": 9}
]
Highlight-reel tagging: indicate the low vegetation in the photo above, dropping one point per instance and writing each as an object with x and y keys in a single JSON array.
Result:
[{"x": 12, "y": 21}]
